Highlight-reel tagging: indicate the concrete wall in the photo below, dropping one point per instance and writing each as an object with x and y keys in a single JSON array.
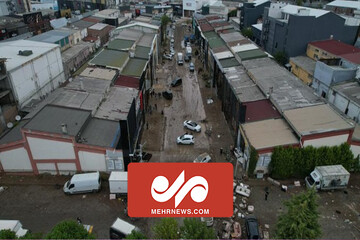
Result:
[
  {"x": 42, "y": 149},
  {"x": 327, "y": 141},
  {"x": 301, "y": 73},
  {"x": 355, "y": 149},
  {"x": 38, "y": 77},
  {"x": 90, "y": 161},
  {"x": 250, "y": 14},
  {"x": 46, "y": 168},
  {"x": 346, "y": 106},
  {"x": 15, "y": 160},
  {"x": 316, "y": 53}
]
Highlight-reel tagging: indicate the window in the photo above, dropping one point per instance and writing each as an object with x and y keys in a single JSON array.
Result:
[
  {"x": 316, "y": 50},
  {"x": 276, "y": 45},
  {"x": 316, "y": 56},
  {"x": 323, "y": 94},
  {"x": 346, "y": 110}
]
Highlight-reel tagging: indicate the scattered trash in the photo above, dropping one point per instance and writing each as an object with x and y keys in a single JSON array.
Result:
[
  {"x": 83, "y": 196},
  {"x": 240, "y": 215},
  {"x": 267, "y": 226},
  {"x": 218, "y": 136},
  {"x": 345, "y": 192},
  {"x": 112, "y": 196},
  {"x": 250, "y": 208},
  {"x": 338, "y": 212},
  {"x": 209, "y": 101},
  {"x": 266, "y": 235},
  {"x": 2, "y": 189},
  {"x": 347, "y": 221},
  {"x": 284, "y": 188},
  {"x": 237, "y": 231},
  {"x": 297, "y": 183},
  {"x": 273, "y": 181}
]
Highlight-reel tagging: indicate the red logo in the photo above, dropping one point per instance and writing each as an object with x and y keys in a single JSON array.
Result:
[{"x": 180, "y": 190}]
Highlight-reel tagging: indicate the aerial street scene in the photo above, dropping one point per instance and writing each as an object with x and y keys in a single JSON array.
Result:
[{"x": 179, "y": 119}]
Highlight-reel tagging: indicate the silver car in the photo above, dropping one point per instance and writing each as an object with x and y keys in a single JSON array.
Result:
[{"x": 191, "y": 125}]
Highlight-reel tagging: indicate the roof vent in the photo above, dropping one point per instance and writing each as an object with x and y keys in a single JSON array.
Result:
[
  {"x": 25, "y": 52},
  {"x": 131, "y": 54},
  {"x": 64, "y": 128}
]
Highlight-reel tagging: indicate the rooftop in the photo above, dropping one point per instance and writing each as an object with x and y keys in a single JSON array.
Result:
[
  {"x": 117, "y": 104},
  {"x": 83, "y": 24},
  {"x": 51, "y": 36},
  {"x": 251, "y": 54},
  {"x": 222, "y": 55},
  {"x": 11, "y": 49},
  {"x": 214, "y": 39},
  {"x": 243, "y": 87},
  {"x": 231, "y": 37},
  {"x": 261, "y": 134},
  {"x": 345, "y": 4},
  {"x": 316, "y": 119},
  {"x": 244, "y": 47},
  {"x": 100, "y": 132},
  {"x": 120, "y": 44},
  {"x": 98, "y": 26},
  {"x": 14, "y": 134},
  {"x": 258, "y": 26},
  {"x": 111, "y": 58},
  {"x": 126, "y": 81},
  {"x": 356, "y": 134},
  {"x": 285, "y": 90},
  {"x": 260, "y": 110},
  {"x": 134, "y": 67},
  {"x": 349, "y": 89},
  {"x": 50, "y": 118},
  {"x": 100, "y": 73},
  {"x": 142, "y": 52},
  {"x": 206, "y": 27},
  {"x": 74, "y": 50},
  {"x": 146, "y": 40},
  {"x": 229, "y": 62},
  {"x": 335, "y": 47},
  {"x": 305, "y": 63},
  {"x": 129, "y": 34},
  {"x": 352, "y": 57},
  {"x": 297, "y": 10}
]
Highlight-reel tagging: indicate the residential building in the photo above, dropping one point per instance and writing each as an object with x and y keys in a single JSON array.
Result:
[
  {"x": 330, "y": 48},
  {"x": 11, "y": 7},
  {"x": 34, "y": 69},
  {"x": 303, "y": 67},
  {"x": 289, "y": 28},
  {"x": 329, "y": 72},
  {"x": 348, "y": 8},
  {"x": 37, "y": 22},
  {"x": 345, "y": 97},
  {"x": 252, "y": 12},
  {"x": 101, "y": 31}
]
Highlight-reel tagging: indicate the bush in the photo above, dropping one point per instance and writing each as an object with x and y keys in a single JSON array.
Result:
[
  {"x": 253, "y": 161},
  {"x": 299, "y": 162}
]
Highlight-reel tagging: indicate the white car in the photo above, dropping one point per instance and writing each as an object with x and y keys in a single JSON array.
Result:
[
  {"x": 172, "y": 52},
  {"x": 193, "y": 126},
  {"x": 185, "y": 139},
  {"x": 203, "y": 158},
  {"x": 167, "y": 56}
]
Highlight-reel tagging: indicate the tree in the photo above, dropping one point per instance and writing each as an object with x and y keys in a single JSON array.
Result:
[
  {"x": 253, "y": 161},
  {"x": 69, "y": 229},
  {"x": 281, "y": 58},
  {"x": 164, "y": 22},
  {"x": 7, "y": 234},
  {"x": 247, "y": 32},
  {"x": 167, "y": 228},
  {"x": 232, "y": 13},
  {"x": 195, "y": 229},
  {"x": 301, "y": 220},
  {"x": 299, "y": 2},
  {"x": 136, "y": 235}
]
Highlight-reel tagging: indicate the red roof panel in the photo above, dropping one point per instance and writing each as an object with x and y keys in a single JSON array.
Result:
[
  {"x": 335, "y": 47},
  {"x": 352, "y": 57},
  {"x": 205, "y": 27},
  {"x": 126, "y": 81},
  {"x": 260, "y": 110},
  {"x": 210, "y": 18}
]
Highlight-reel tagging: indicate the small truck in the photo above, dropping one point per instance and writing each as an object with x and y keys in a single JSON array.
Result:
[{"x": 328, "y": 177}]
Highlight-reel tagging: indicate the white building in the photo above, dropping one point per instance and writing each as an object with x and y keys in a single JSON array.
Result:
[{"x": 34, "y": 69}]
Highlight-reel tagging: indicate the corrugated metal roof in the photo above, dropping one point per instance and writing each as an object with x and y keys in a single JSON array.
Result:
[
  {"x": 260, "y": 110},
  {"x": 206, "y": 27},
  {"x": 110, "y": 58},
  {"x": 222, "y": 55},
  {"x": 51, "y": 36},
  {"x": 229, "y": 62},
  {"x": 352, "y": 57},
  {"x": 244, "y": 47},
  {"x": 134, "y": 67},
  {"x": 305, "y": 63},
  {"x": 345, "y": 4},
  {"x": 120, "y": 44},
  {"x": 251, "y": 54},
  {"x": 335, "y": 47},
  {"x": 101, "y": 73},
  {"x": 142, "y": 52},
  {"x": 98, "y": 26},
  {"x": 127, "y": 81}
]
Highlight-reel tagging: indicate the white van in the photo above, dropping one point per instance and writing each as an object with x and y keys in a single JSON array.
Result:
[
  {"x": 120, "y": 229},
  {"x": 15, "y": 226},
  {"x": 81, "y": 183},
  {"x": 180, "y": 59}
]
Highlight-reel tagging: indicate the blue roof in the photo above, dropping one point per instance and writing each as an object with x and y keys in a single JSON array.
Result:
[{"x": 51, "y": 36}]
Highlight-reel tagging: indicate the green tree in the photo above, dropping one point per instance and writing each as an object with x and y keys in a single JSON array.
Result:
[
  {"x": 247, "y": 32},
  {"x": 195, "y": 229},
  {"x": 7, "y": 234},
  {"x": 69, "y": 229},
  {"x": 281, "y": 58},
  {"x": 167, "y": 228},
  {"x": 301, "y": 220},
  {"x": 253, "y": 161},
  {"x": 299, "y": 2},
  {"x": 232, "y": 13},
  {"x": 164, "y": 22},
  {"x": 136, "y": 235}
]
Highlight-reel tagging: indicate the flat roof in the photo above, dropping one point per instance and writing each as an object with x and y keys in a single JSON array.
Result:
[
  {"x": 50, "y": 118},
  {"x": 146, "y": 40},
  {"x": 100, "y": 132},
  {"x": 261, "y": 134},
  {"x": 134, "y": 67},
  {"x": 349, "y": 89},
  {"x": 230, "y": 37},
  {"x": 82, "y": 24},
  {"x": 14, "y": 134},
  {"x": 335, "y": 47},
  {"x": 127, "y": 81},
  {"x": 120, "y": 44},
  {"x": 100, "y": 73},
  {"x": 50, "y": 36},
  {"x": 344, "y": 4},
  {"x": 352, "y": 57},
  {"x": 74, "y": 50},
  {"x": 111, "y": 58},
  {"x": 316, "y": 119},
  {"x": 251, "y": 54},
  {"x": 305, "y": 63},
  {"x": 242, "y": 86},
  {"x": 356, "y": 134},
  {"x": 285, "y": 90},
  {"x": 129, "y": 34},
  {"x": 222, "y": 55},
  {"x": 215, "y": 41},
  {"x": 10, "y": 51},
  {"x": 98, "y": 26},
  {"x": 294, "y": 10},
  {"x": 260, "y": 110},
  {"x": 229, "y": 62},
  {"x": 142, "y": 52},
  {"x": 117, "y": 104},
  {"x": 244, "y": 47}
]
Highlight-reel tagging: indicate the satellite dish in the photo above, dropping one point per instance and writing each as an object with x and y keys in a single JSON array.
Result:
[
  {"x": 17, "y": 118},
  {"x": 10, "y": 125}
]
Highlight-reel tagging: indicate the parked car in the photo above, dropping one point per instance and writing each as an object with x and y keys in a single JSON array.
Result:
[
  {"x": 203, "y": 158},
  {"x": 252, "y": 227},
  {"x": 172, "y": 40},
  {"x": 188, "y": 44},
  {"x": 191, "y": 125},
  {"x": 167, "y": 56},
  {"x": 173, "y": 27},
  {"x": 167, "y": 94},
  {"x": 185, "y": 139},
  {"x": 186, "y": 58},
  {"x": 176, "y": 82},
  {"x": 191, "y": 67}
]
